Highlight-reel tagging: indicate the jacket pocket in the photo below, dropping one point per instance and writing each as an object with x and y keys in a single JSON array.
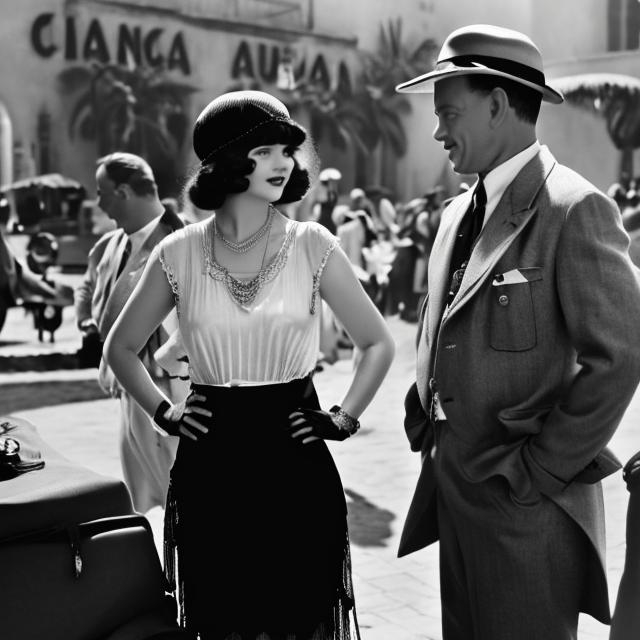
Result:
[{"x": 512, "y": 322}]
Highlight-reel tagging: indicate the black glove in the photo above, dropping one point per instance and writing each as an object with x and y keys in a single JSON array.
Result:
[
  {"x": 317, "y": 424},
  {"x": 181, "y": 421}
]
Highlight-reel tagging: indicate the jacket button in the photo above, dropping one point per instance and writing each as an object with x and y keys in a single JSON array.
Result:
[{"x": 503, "y": 300}]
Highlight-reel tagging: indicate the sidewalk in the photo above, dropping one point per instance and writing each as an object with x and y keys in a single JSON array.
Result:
[{"x": 397, "y": 599}]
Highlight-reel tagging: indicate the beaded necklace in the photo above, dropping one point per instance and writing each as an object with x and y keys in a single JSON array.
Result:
[
  {"x": 250, "y": 242},
  {"x": 244, "y": 292}
]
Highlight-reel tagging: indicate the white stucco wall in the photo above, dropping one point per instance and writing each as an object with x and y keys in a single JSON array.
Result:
[{"x": 572, "y": 35}]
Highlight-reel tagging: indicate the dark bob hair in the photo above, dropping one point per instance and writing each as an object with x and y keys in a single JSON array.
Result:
[{"x": 225, "y": 172}]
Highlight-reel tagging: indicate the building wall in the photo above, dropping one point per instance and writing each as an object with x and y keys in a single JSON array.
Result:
[{"x": 573, "y": 36}]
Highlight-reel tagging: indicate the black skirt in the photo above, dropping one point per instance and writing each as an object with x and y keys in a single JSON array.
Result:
[{"x": 256, "y": 539}]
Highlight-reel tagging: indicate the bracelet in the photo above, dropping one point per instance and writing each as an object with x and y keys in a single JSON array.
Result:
[
  {"x": 163, "y": 425},
  {"x": 343, "y": 420},
  {"x": 87, "y": 323}
]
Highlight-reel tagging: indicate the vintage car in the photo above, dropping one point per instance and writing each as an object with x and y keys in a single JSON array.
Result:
[{"x": 26, "y": 284}]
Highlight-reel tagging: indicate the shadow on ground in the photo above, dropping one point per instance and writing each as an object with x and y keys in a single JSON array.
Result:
[
  {"x": 39, "y": 362},
  {"x": 22, "y": 397},
  {"x": 369, "y": 526}
]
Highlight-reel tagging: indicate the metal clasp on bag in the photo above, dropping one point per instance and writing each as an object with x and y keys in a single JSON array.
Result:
[{"x": 74, "y": 542}]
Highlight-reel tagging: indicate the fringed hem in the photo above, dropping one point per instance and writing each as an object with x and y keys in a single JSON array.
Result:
[
  {"x": 346, "y": 600},
  {"x": 344, "y": 623},
  {"x": 170, "y": 548}
]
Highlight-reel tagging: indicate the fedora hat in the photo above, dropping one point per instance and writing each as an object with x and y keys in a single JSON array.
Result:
[{"x": 485, "y": 49}]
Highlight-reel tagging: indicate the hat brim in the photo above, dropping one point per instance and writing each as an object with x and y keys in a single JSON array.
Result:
[{"x": 426, "y": 82}]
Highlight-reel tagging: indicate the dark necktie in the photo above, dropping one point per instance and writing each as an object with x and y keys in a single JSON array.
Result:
[
  {"x": 125, "y": 256},
  {"x": 470, "y": 227}
]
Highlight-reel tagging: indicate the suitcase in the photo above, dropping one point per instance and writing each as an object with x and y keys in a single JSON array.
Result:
[{"x": 76, "y": 561}]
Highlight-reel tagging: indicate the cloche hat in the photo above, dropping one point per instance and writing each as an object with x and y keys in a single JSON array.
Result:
[
  {"x": 487, "y": 50},
  {"x": 232, "y": 116}
]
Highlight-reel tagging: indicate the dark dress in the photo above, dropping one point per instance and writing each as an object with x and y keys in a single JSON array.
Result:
[
  {"x": 277, "y": 518},
  {"x": 255, "y": 525}
]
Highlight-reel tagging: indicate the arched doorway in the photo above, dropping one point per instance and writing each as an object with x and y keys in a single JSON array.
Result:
[{"x": 6, "y": 146}]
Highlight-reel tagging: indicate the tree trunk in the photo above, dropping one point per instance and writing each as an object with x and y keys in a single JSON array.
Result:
[
  {"x": 626, "y": 166},
  {"x": 361, "y": 168}
]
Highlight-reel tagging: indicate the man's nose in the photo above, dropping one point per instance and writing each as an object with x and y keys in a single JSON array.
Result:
[{"x": 438, "y": 132}]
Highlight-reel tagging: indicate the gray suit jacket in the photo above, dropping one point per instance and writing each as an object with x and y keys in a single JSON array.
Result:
[
  {"x": 538, "y": 356},
  {"x": 102, "y": 296}
]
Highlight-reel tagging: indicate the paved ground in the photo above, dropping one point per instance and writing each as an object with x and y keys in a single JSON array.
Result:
[{"x": 397, "y": 599}]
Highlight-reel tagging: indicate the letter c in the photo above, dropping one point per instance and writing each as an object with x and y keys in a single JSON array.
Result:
[{"x": 40, "y": 24}]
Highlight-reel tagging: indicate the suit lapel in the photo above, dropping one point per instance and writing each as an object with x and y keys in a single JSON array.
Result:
[
  {"x": 107, "y": 270},
  {"x": 126, "y": 283},
  {"x": 438, "y": 273},
  {"x": 438, "y": 287},
  {"x": 515, "y": 209}
]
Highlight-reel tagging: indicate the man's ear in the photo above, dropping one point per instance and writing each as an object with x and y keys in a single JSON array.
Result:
[
  {"x": 123, "y": 191},
  {"x": 498, "y": 106}
]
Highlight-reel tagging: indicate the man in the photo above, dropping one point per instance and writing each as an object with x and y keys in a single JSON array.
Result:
[
  {"x": 528, "y": 355},
  {"x": 128, "y": 194}
]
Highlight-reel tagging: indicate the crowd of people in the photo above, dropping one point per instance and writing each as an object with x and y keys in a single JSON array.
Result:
[
  {"x": 388, "y": 242},
  {"x": 528, "y": 354}
]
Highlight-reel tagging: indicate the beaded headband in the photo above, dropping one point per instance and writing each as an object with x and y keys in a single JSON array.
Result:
[{"x": 209, "y": 156}]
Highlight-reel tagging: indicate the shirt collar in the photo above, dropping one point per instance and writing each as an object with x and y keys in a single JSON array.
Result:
[
  {"x": 139, "y": 237},
  {"x": 498, "y": 179}
]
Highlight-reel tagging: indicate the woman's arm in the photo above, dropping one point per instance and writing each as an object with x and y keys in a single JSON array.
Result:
[
  {"x": 365, "y": 325},
  {"x": 149, "y": 304}
]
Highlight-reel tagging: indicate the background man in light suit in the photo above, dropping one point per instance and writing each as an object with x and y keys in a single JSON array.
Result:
[
  {"x": 528, "y": 355},
  {"x": 128, "y": 194}
]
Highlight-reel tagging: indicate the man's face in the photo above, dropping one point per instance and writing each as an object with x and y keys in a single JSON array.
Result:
[
  {"x": 110, "y": 197},
  {"x": 464, "y": 125}
]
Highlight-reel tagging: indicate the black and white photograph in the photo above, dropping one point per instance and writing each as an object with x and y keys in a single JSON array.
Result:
[{"x": 320, "y": 320}]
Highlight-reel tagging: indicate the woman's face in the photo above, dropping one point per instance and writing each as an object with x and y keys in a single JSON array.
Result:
[{"x": 274, "y": 164}]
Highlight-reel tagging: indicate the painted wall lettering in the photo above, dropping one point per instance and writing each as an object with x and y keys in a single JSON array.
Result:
[
  {"x": 262, "y": 64},
  {"x": 133, "y": 44}
]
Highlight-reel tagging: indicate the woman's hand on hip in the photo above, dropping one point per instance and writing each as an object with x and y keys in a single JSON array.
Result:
[{"x": 184, "y": 418}]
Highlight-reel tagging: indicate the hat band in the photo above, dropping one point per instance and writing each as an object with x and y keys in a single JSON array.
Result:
[
  {"x": 522, "y": 71},
  {"x": 210, "y": 155}
]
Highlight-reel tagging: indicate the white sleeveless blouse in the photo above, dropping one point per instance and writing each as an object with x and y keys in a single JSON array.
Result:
[{"x": 275, "y": 338}]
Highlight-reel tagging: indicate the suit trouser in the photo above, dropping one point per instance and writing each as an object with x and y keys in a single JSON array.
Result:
[{"x": 508, "y": 571}]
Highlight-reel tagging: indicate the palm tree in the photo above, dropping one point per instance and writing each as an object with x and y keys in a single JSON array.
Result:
[
  {"x": 616, "y": 97},
  {"x": 137, "y": 110},
  {"x": 335, "y": 116},
  {"x": 368, "y": 118},
  {"x": 384, "y": 109}
]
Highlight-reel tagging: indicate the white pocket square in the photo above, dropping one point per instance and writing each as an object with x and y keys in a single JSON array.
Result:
[{"x": 508, "y": 277}]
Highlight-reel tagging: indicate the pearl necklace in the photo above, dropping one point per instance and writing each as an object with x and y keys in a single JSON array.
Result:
[{"x": 250, "y": 242}]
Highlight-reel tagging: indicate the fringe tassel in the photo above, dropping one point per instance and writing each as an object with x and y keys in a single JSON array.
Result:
[
  {"x": 346, "y": 604},
  {"x": 345, "y": 619},
  {"x": 171, "y": 565},
  {"x": 169, "y": 538}
]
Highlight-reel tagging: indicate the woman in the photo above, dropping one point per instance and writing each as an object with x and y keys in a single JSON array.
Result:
[{"x": 247, "y": 285}]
